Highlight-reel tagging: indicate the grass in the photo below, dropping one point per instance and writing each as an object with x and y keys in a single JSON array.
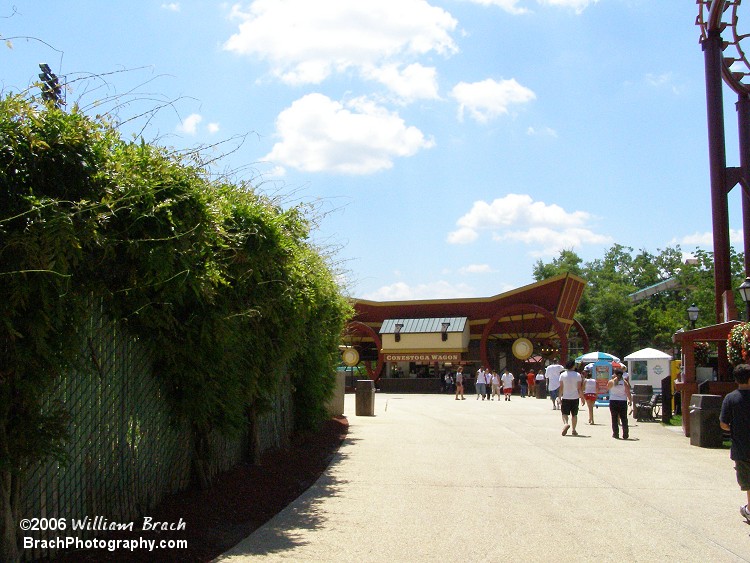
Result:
[{"x": 676, "y": 420}]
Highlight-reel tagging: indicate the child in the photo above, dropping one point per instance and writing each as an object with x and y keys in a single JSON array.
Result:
[{"x": 735, "y": 419}]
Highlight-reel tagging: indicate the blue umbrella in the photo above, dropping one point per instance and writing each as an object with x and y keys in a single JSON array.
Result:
[{"x": 595, "y": 357}]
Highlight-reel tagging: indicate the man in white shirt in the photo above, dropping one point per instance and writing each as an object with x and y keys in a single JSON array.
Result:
[
  {"x": 507, "y": 379},
  {"x": 571, "y": 391},
  {"x": 552, "y": 375}
]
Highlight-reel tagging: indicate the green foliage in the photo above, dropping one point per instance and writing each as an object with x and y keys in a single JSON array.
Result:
[
  {"x": 567, "y": 263},
  {"x": 617, "y": 324},
  {"x": 46, "y": 164},
  {"x": 223, "y": 283}
]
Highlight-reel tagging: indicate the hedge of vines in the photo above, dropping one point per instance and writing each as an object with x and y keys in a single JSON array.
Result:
[{"x": 223, "y": 282}]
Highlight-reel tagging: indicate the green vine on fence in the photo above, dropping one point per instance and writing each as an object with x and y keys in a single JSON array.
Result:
[{"x": 222, "y": 281}]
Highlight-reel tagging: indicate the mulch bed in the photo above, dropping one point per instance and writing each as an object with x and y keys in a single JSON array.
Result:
[{"x": 239, "y": 502}]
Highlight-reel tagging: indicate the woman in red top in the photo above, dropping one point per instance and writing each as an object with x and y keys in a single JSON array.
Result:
[{"x": 531, "y": 378}]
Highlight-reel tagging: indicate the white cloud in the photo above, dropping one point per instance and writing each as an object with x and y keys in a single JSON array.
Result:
[
  {"x": 410, "y": 83},
  {"x": 305, "y": 42},
  {"x": 489, "y": 98},
  {"x": 578, "y": 5},
  {"x": 659, "y": 79},
  {"x": 551, "y": 241},
  {"x": 662, "y": 81},
  {"x": 464, "y": 235},
  {"x": 401, "y": 291},
  {"x": 476, "y": 269},
  {"x": 189, "y": 125},
  {"x": 706, "y": 240},
  {"x": 172, "y": 6},
  {"x": 696, "y": 239},
  {"x": 321, "y": 135},
  {"x": 518, "y": 218},
  {"x": 510, "y": 6},
  {"x": 543, "y": 132},
  {"x": 513, "y": 6}
]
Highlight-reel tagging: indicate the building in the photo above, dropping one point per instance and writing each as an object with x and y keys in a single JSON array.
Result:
[{"x": 421, "y": 340}]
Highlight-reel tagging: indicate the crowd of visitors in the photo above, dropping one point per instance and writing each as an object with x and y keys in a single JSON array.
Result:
[{"x": 564, "y": 385}]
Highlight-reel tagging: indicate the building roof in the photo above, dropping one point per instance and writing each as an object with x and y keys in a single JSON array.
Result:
[
  {"x": 648, "y": 354},
  {"x": 559, "y": 296},
  {"x": 430, "y": 325}
]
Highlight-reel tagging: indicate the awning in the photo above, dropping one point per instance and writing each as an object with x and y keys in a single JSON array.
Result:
[{"x": 423, "y": 326}]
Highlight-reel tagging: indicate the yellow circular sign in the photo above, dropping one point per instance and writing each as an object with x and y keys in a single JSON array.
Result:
[
  {"x": 350, "y": 357},
  {"x": 522, "y": 348}
]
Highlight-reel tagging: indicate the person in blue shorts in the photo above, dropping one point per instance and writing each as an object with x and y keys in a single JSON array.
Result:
[{"x": 735, "y": 419}]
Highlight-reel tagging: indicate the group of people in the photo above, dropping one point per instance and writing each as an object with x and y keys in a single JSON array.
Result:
[
  {"x": 489, "y": 384},
  {"x": 566, "y": 387}
]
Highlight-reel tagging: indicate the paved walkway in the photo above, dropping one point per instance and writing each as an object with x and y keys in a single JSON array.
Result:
[{"x": 433, "y": 479}]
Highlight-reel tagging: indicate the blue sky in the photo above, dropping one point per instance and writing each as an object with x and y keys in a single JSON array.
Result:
[{"x": 446, "y": 144}]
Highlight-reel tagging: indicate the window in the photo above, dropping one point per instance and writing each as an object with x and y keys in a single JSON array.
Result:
[{"x": 640, "y": 371}]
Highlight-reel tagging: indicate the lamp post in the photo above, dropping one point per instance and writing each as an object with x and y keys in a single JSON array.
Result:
[
  {"x": 745, "y": 294},
  {"x": 692, "y": 313}
]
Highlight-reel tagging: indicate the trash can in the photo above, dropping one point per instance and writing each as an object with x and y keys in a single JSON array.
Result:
[
  {"x": 364, "y": 397},
  {"x": 705, "y": 430},
  {"x": 541, "y": 388}
]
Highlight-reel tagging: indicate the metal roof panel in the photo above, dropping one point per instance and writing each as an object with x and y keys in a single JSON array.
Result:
[{"x": 423, "y": 326}]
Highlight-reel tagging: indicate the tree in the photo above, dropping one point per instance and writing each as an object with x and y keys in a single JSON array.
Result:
[
  {"x": 616, "y": 323},
  {"x": 567, "y": 263}
]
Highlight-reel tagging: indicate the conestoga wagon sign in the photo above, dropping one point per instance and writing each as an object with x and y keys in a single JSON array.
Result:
[{"x": 423, "y": 357}]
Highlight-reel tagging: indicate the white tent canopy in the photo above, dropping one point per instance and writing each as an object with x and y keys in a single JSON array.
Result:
[{"x": 648, "y": 354}]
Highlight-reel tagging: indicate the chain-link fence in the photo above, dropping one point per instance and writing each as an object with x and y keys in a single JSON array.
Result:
[{"x": 125, "y": 453}]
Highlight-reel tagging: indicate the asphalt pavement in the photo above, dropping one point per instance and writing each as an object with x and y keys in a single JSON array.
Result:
[{"x": 429, "y": 478}]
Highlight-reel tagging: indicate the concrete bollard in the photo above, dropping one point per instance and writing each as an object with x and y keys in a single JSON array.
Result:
[
  {"x": 365, "y": 397},
  {"x": 335, "y": 404}
]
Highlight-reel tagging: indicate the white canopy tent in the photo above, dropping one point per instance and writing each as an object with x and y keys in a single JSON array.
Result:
[{"x": 648, "y": 366}]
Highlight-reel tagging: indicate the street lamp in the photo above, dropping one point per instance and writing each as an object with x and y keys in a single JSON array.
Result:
[
  {"x": 692, "y": 312},
  {"x": 745, "y": 294}
]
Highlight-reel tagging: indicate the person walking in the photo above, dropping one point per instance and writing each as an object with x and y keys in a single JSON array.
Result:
[
  {"x": 589, "y": 392},
  {"x": 619, "y": 400},
  {"x": 449, "y": 383},
  {"x": 735, "y": 419},
  {"x": 523, "y": 383},
  {"x": 571, "y": 391},
  {"x": 495, "y": 382},
  {"x": 481, "y": 384},
  {"x": 530, "y": 382},
  {"x": 460, "y": 383},
  {"x": 507, "y": 384},
  {"x": 552, "y": 375}
]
